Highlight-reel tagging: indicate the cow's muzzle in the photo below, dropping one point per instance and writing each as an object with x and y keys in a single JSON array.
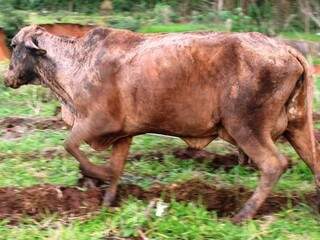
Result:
[{"x": 10, "y": 80}]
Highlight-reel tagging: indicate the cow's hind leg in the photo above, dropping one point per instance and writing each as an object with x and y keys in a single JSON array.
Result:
[
  {"x": 300, "y": 137},
  {"x": 262, "y": 150}
]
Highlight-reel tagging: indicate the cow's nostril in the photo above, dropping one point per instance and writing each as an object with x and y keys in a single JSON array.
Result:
[
  {"x": 7, "y": 79},
  {"x": 6, "y": 84}
]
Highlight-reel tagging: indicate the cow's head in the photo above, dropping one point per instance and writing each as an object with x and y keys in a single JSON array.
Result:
[{"x": 26, "y": 54}]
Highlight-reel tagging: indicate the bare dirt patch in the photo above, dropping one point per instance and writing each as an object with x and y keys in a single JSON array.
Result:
[
  {"x": 225, "y": 201},
  {"x": 46, "y": 153},
  {"x": 316, "y": 69},
  {"x": 316, "y": 116},
  {"x": 217, "y": 161},
  {"x": 16, "y": 127},
  {"x": 153, "y": 155},
  {"x": 40, "y": 200},
  {"x": 4, "y": 51}
]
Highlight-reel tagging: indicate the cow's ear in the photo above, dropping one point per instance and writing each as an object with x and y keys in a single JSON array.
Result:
[{"x": 32, "y": 45}]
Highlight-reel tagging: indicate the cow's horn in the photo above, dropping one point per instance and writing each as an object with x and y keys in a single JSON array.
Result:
[{"x": 32, "y": 45}]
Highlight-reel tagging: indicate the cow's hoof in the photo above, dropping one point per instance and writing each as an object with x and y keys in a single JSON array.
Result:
[
  {"x": 236, "y": 220},
  {"x": 240, "y": 218},
  {"x": 87, "y": 182},
  {"x": 242, "y": 157},
  {"x": 100, "y": 172},
  {"x": 108, "y": 199}
]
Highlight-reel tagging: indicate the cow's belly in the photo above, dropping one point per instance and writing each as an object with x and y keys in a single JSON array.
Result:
[
  {"x": 185, "y": 111},
  {"x": 198, "y": 143},
  {"x": 183, "y": 127},
  {"x": 190, "y": 118}
]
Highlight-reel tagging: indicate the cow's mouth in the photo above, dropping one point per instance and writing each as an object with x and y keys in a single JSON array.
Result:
[
  {"x": 13, "y": 85},
  {"x": 16, "y": 83},
  {"x": 11, "y": 82}
]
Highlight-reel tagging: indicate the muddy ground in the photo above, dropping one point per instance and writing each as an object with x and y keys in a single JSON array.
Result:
[
  {"x": 225, "y": 162},
  {"x": 38, "y": 201},
  {"x": 16, "y": 127}
]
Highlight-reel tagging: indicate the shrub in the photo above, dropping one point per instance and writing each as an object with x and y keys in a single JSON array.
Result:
[
  {"x": 124, "y": 22},
  {"x": 164, "y": 14},
  {"x": 10, "y": 21}
]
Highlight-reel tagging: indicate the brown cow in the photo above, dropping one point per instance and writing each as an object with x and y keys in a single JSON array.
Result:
[{"x": 114, "y": 84}]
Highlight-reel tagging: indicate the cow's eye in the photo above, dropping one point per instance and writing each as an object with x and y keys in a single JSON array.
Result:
[{"x": 13, "y": 45}]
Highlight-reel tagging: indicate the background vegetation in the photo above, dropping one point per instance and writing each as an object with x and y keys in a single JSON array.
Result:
[{"x": 267, "y": 16}]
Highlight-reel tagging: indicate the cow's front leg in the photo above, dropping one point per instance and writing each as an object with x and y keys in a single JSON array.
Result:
[
  {"x": 87, "y": 168},
  {"x": 120, "y": 150}
]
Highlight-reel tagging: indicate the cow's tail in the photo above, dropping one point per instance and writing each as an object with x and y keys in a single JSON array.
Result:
[{"x": 300, "y": 121}]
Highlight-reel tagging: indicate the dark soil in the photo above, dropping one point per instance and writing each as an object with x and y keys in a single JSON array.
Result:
[
  {"x": 153, "y": 155},
  {"x": 36, "y": 123},
  {"x": 15, "y": 127},
  {"x": 40, "y": 200},
  {"x": 316, "y": 116},
  {"x": 217, "y": 161},
  {"x": 225, "y": 201},
  {"x": 317, "y": 135}
]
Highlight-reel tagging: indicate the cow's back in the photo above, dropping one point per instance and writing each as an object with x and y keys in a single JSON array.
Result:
[{"x": 179, "y": 82}]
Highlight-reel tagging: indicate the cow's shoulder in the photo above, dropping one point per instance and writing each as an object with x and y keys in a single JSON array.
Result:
[
  {"x": 94, "y": 36},
  {"x": 98, "y": 31},
  {"x": 121, "y": 38}
]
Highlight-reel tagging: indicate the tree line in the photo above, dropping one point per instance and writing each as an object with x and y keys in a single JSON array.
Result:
[{"x": 274, "y": 15}]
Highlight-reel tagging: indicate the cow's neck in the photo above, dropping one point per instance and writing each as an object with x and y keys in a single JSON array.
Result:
[{"x": 60, "y": 67}]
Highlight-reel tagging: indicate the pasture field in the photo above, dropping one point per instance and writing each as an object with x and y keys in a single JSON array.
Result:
[{"x": 167, "y": 192}]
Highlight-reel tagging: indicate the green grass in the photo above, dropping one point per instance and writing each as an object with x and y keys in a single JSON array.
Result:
[
  {"x": 301, "y": 36},
  {"x": 316, "y": 97},
  {"x": 316, "y": 61},
  {"x": 64, "y": 17},
  {"x": 175, "y": 27},
  {"x": 180, "y": 221},
  {"x": 96, "y": 19},
  {"x": 25, "y": 101}
]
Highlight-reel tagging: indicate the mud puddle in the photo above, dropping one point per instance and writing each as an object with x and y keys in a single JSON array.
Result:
[{"x": 38, "y": 201}]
